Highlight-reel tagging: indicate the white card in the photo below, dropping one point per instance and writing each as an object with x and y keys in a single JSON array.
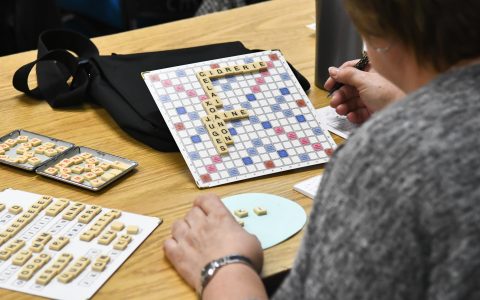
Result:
[{"x": 309, "y": 187}]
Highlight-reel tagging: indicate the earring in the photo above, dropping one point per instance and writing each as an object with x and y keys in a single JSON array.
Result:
[
  {"x": 377, "y": 49},
  {"x": 382, "y": 50}
]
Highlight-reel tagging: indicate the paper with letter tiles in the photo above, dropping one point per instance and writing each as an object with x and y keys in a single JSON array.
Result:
[{"x": 281, "y": 132}]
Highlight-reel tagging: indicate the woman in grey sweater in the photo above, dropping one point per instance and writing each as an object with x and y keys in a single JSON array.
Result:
[{"x": 397, "y": 215}]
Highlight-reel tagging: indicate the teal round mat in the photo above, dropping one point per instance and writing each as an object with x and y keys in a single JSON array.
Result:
[{"x": 284, "y": 217}]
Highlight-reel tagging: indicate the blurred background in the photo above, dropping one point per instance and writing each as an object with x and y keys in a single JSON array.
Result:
[{"x": 21, "y": 21}]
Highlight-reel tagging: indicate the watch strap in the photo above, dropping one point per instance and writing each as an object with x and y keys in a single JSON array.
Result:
[{"x": 212, "y": 267}]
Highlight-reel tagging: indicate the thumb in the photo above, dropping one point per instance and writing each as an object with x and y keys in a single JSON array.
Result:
[{"x": 348, "y": 75}]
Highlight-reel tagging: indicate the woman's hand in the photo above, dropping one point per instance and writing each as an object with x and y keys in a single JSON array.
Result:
[
  {"x": 364, "y": 92},
  {"x": 208, "y": 232}
]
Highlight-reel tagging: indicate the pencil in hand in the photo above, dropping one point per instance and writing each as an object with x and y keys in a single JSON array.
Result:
[{"x": 361, "y": 65}]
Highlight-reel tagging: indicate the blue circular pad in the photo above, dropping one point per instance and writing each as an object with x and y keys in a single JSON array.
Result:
[{"x": 284, "y": 217}]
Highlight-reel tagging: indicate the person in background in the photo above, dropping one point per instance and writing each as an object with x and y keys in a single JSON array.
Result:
[
  {"x": 396, "y": 215},
  {"x": 21, "y": 21},
  {"x": 209, "y": 6},
  {"x": 119, "y": 15},
  {"x": 108, "y": 12}
]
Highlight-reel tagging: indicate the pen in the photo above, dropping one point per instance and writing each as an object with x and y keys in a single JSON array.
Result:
[{"x": 361, "y": 64}]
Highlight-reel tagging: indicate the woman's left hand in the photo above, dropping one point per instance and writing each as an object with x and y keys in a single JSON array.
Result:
[{"x": 208, "y": 232}]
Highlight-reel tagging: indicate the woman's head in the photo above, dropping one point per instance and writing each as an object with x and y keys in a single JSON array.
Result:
[
  {"x": 440, "y": 33},
  {"x": 437, "y": 33}
]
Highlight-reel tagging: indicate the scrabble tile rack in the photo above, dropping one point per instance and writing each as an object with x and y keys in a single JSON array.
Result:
[
  {"x": 103, "y": 157},
  {"x": 14, "y": 150}
]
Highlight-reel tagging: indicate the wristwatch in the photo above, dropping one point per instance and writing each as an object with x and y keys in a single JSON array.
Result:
[{"x": 212, "y": 267}]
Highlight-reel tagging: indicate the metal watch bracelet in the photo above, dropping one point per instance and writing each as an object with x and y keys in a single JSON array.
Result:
[{"x": 212, "y": 267}]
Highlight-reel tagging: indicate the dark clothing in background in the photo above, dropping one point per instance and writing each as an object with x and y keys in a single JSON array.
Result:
[{"x": 21, "y": 21}]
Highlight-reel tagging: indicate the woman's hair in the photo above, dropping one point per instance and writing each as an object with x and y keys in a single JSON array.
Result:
[{"x": 440, "y": 33}]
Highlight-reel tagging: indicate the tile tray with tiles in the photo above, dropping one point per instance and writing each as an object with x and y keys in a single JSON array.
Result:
[
  {"x": 63, "y": 249},
  {"x": 62, "y": 161}
]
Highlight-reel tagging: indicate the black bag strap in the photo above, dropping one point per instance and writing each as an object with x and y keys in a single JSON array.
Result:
[{"x": 55, "y": 65}]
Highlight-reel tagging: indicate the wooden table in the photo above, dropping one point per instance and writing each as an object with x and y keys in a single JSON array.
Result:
[{"x": 162, "y": 185}]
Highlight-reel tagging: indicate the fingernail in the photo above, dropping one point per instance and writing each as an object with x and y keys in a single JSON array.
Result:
[{"x": 333, "y": 71}]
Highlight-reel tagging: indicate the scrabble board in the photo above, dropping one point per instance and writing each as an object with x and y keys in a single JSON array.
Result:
[
  {"x": 63, "y": 249},
  {"x": 268, "y": 121}
]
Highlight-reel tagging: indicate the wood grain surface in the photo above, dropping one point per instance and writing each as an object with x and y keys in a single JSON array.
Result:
[{"x": 162, "y": 185}]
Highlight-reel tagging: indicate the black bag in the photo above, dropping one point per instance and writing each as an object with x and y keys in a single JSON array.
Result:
[{"x": 113, "y": 82}]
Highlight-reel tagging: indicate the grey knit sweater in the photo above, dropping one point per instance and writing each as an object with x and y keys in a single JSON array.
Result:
[{"x": 397, "y": 215}]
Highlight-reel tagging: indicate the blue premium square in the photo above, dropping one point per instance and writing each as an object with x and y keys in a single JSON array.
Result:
[
  {"x": 282, "y": 153},
  {"x": 165, "y": 98},
  {"x": 194, "y": 155},
  {"x": 275, "y": 107},
  {"x": 285, "y": 76},
  {"x": 280, "y": 99},
  {"x": 288, "y": 113},
  {"x": 254, "y": 119},
  {"x": 201, "y": 130},
  {"x": 181, "y": 110},
  {"x": 237, "y": 123},
  {"x": 300, "y": 118},
  {"x": 180, "y": 73},
  {"x": 233, "y": 131},
  {"x": 226, "y": 87},
  {"x": 266, "y": 125},
  {"x": 196, "y": 138},
  {"x": 257, "y": 142},
  {"x": 233, "y": 172},
  {"x": 193, "y": 115},
  {"x": 231, "y": 78},
  {"x": 304, "y": 157},
  {"x": 270, "y": 148},
  {"x": 252, "y": 151},
  {"x": 247, "y": 161},
  {"x": 317, "y": 131},
  {"x": 246, "y": 105}
]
